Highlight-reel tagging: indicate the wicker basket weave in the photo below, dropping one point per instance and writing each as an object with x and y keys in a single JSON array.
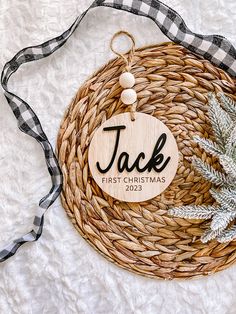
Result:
[{"x": 172, "y": 84}]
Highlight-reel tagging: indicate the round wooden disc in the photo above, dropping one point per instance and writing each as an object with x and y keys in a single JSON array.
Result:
[
  {"x": 172, "y": 85},
  {"x": 145, "y": 157}
]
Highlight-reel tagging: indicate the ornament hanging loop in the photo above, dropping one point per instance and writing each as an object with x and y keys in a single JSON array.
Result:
[{"x": 129, "y": 53}]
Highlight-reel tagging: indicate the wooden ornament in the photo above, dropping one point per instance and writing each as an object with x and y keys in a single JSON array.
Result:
[{"x": 133, "y": 161}]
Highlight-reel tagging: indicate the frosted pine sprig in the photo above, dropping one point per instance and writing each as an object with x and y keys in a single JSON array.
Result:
[
  {"x": 223, "y": 118},
  {"x": 225, "y": 198},
  {"x": 221, "y": 121},
  {"x": 227, "y": 235},
  {"x": 208, "y": 172},
  {"x": 221, "y": 220},
  {"x": 228, "y": 105},
  {"x": 231, "y": 144},
  {"x": 229, "y": 165},
  {"x": 193, "y": 212},
  {"x": 209, "y": 146},
  {"x": 210, "y": 235}
]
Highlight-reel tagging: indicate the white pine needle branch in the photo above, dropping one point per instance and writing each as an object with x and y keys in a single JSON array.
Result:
[
  {"x": 221, "y": 121},
  {"x": 193, "y": 212},
  {"x": 227, "y": 235},
  {"x": 209, "y": 235},
  {"x": 230, "y": 192},
  {"x": 208, "y": 172},
  {"x": 209, "y": 146},
  {"x": 225, "y": 198},
  {"x": 231, "y": 144},
  {"x": 229, "y": 165},
  {"x": 221, "y": 220},
  {"x": 228, "y": 104},
  {"x": 222, "y": 214}
]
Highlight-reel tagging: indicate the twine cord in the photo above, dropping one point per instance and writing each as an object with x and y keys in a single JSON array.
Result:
[{"x": 128, "y": 59}]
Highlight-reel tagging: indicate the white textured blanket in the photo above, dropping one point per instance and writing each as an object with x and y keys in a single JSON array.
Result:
[{"x": 61, "y": 273}]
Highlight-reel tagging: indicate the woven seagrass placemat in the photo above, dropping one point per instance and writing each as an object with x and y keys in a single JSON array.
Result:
[{"x": 172, "y": 84}]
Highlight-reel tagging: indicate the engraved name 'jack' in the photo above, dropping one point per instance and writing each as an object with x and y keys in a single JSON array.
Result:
[{"x": 157, "y": 161}]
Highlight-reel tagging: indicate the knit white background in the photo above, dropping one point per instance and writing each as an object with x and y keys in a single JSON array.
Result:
[{"x": 61, "y": 273}]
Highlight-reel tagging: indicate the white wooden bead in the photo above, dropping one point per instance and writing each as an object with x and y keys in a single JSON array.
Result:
[
  {"x": 127, "y": 80},
  {"x": 128, "y": 96}
]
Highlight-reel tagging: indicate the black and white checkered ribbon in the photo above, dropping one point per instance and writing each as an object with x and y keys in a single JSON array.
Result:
[{"x": 214, "y": 48}]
